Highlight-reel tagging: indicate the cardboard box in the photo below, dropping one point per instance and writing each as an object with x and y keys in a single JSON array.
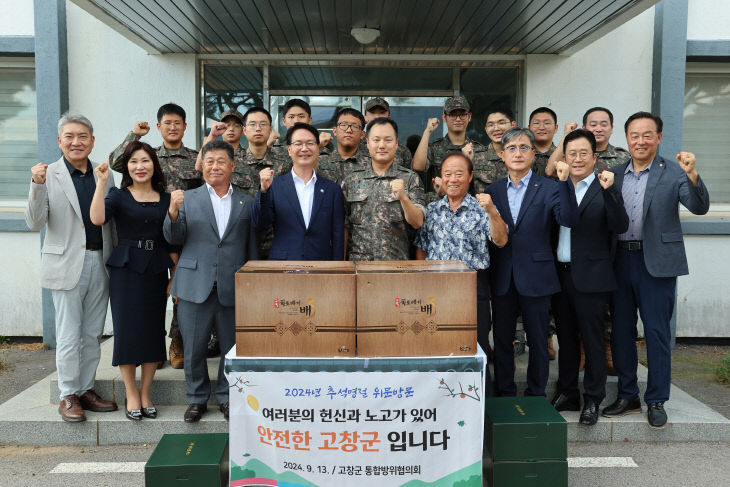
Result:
[
  {"x": 295, "y": 309},
  {"x": 553, "y": 473},
  {"x": 416, "y": 308},
  {"x": 188, "y": 459}
]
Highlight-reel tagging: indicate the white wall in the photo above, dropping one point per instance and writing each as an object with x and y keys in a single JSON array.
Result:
[
  {"x": 20, "y": 282},
  {"x": 708, "y": 20},
  {"x": 614, "y": 72},
  {"x": 115, "y": 83},
  {"x": 17, "y": 18}
]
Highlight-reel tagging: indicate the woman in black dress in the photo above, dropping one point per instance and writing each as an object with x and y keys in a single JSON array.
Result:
[{"x": 138, "y": 269}]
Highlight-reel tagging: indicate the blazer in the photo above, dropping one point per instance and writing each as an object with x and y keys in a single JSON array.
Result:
[
  {"x": 528, "y": 255},
  {"x": 667, "y": 186},
  {"x": 206, "y": 257},
  {"x": 592, "y": 241},
  {"x": 55, "y": 205},
  {"x": 323, "y": 239}
]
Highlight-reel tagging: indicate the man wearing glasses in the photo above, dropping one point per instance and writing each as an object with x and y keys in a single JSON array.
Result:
[
  {"x": 488, "y": 166},
  {"x": 428, "y": 157},
  {"x": 349, "y": 130},
  {"x": 523, "y": 274},
  {"x": 544, "y": 124}
]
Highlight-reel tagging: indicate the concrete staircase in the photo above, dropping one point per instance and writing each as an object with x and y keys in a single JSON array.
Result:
[{"x": 32, "y": 418}]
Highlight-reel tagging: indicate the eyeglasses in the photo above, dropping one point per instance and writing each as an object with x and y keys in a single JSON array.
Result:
[
  {"x": 349, "y": 126},
  {"x": 513, "y": 149},
  {"x": 547, "y": 124},
  {"x": 234, "y": 125},
  {"x": 459, "y": 115},
  {"x": 253, "y": 125},
  {"x": 498, "y": 123},
  {"x": 582, "y": 154},
  {"x": 310, "y": 144}
]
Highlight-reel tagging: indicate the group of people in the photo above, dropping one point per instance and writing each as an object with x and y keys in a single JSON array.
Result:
[{"x": 583, "y": 231}]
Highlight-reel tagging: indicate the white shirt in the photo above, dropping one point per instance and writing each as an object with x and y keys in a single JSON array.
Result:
[
  {"x": 305, "y": 194},
  {"x": 564, "y": 239},
  {"x": 221, "y": 208}
]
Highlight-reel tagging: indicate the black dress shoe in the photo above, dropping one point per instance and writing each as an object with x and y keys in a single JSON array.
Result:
[
  {"x": 195, "y": 412},
  {"x": 214, "y": 348},
  {"x": 149, "y": 412},
  {"x": 225, "y": 407},
  {"x": 622, "y": 407},
  {"x": 134, "y": 414},
  {"x": 564, "y": 402},
  {"x": 589, "y": 415},
  {"x": 656, "y": 415}
]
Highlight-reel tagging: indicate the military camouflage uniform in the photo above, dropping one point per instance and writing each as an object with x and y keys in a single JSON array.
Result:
[
  {"x": 437, "y": 152},
  {"x": 541, "y": 160},
  {"x": 488, "y": 168},
  {"x": 403, "y": 156},
  {"x": 178, "y": 166},
  {"x": 611, "y": 157},
  {"x": 374, "y": 217},
  {"x": 333, "y": 167}
]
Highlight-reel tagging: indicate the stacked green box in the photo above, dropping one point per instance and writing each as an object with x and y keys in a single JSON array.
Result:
[
  {"x": 525, "y": 443},
  {"x": 199, "y": 460}
]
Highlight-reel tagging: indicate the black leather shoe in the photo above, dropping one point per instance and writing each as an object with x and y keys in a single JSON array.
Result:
[
  {"x": 195, "y": 412},
  {"x": 589, "y": 415},
  {"x": 149, "y": 412},
  {"x": 563, "y": 402},
  {"x": 134, "y": 414},
  {"x": 656, "y": 415},
  {"x": 225, "y": 407},
  {"x": 622, "y": 407},
  {"x": 214, "y": 348}
]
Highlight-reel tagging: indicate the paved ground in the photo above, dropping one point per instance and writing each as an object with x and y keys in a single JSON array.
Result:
[{"x": 24, "y": 364}]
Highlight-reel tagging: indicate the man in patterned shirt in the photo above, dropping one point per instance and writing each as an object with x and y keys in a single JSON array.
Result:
[
  {"x": 178, "y": 165},
  {"x": 544, "y": 125},
  {"x": 488, "y": 166},
  {"x": 294, "y": 111},
  {"x": 375, "y": 108},
  {"x": 459, "y": 227},
  {"x": 349, "y": 155},
  {"x": 383, "y": 201}
]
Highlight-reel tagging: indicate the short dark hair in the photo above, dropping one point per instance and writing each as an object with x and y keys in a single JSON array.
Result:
[
  {"x": 159, "y": 182},
  {"x": 597, "y": 109},
  {"x": 170, "y": 108},
  {"x": 636, "y": 116},
  {"x": 352, "y": 112},
  {"x": 256, "y": 110},
  {"x": 459, "y": 154},
  {"x": 580, "y": 134},
  {"x": 503, "y": 110},
  {"x": 296, "y": 102},
  {"x": 301, "y": 126},
  {"x": 383, "y": 121},
  {"x": 543, "y": 110},
  {"x": 217, "y": 145}
]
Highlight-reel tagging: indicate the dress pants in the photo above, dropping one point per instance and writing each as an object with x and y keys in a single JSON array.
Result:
[
  {"x": 80, "y": 317},
  {"x": 654, "y": 298},
  {"x": 196, "y": 322},
  {"x": 484, "y": 319},
  {"x": 535, "y": 313},
  {"x": 579, "y": 316}
]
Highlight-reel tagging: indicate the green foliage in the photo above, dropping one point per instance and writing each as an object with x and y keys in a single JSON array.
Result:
[
  {"x": 4, "y": 339},
  {"x": 722, "y": 370}
]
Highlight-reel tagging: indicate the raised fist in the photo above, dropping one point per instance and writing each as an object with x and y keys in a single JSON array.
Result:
[
  {"x": 141, "y": 128},
  {"x": 176, "y": 200},
  {"x": 485, "y": 201},
  {"x": 324, "y": 139},
  {"x": 267, "y": 177},
  {"x": 687, "y": 162},
  {"x": 468, "y": 151},
  {"x": 569, "y": 127},
  {"x": 102, "y": 172},
  {"x": 38, "y": 173},
  {"x": 438, "y": 185},
  {"x": 432, "y": 124},
  {"x": 606, "y": 179},
  {"x": 563, "y": 170},
  {"x": 273, "y": 137},
  {"x": 399, "y": 188},
  {"x": 218, "y": 129}
]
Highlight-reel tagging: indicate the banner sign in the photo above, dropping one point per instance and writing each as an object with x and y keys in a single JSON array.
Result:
[{"x": 320, "y": 429}]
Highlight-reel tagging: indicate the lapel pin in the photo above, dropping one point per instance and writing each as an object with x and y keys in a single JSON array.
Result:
[
  {"x": 661, "y": 165},
  {"x": 240, "y": 202},
  {"x": 321, "y": 190}
]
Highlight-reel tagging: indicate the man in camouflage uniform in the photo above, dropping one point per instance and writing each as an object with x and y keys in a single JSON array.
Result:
[
  {"x": 428, "y": 157},
  {"x": 349, "y": 131},
  {"x": 178, "y": 165},
  {"x": 384, "y": 203},
  {"x": 294, "y": 111},
  {"x": 376, "y": 108},
  {"x": 488, "y": 165},
  {"x": 544, "y": 125}
]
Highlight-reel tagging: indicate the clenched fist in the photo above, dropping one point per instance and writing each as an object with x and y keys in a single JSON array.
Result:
[
  {"x": 687, "y": 162},
  {"x": 569, "y": 127},
  {"x": 563, "y": 170},
  {"x": 176, "y": 200},
  {"x": 218, "y": 129},
  {"x": 468, "y": 151},
  {"x": 606, "y": 179},
  {"x": 438, "y": 185},
  {"x": 431, "y": 125},
  {"x": 324, "y": 139},
  {"x": 273, "y": 137},
  {"x": 102, "y": 172},
  {"x": 267, "y": 177},
  {"x": 38, "y": 173},
  {"x": 141, "y": 128},
  {"x": 399, "y": 189},
  {"x": 485, "y": 201}
]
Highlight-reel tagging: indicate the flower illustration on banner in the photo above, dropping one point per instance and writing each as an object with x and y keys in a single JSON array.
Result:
[
  {"x": 241, "y": 384},
  {"x": 471, "y": 391}
]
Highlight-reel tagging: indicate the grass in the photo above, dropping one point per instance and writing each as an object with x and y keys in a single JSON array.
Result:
[
  {"x": 4, "y": 339},
  {"x": 722, "y": 370}
]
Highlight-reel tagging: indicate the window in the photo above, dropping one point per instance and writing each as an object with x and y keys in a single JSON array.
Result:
[{"x": 18, "y": 132}]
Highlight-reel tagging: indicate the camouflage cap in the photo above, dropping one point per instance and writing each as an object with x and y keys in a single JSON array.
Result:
[
  {"x": 376, "y": 102},
  {"x": 456, "y": 103},
  {"x": 232, "y": 113}
]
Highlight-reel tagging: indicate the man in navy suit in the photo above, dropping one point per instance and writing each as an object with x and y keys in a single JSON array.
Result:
[
  {"x": 523, "y": 271},
  {"x": 649, "y": 257},
  {"x": 307, "y": 212}
]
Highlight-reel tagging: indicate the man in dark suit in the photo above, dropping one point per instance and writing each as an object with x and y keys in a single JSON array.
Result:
[
  {"x": 649, "y": 257},
  {"x": 307, "y": 212},
  {"x": 523, "y": 272},
  {"x": 585, "y": 270},
  {"x": 213, "y": 225}
]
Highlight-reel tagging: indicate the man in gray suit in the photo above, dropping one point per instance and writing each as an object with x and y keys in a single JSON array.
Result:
[
  {"x": 649, "y": 257},
  {"x": 213, "y": 225},
  {"x": 72, "y": 263}
]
